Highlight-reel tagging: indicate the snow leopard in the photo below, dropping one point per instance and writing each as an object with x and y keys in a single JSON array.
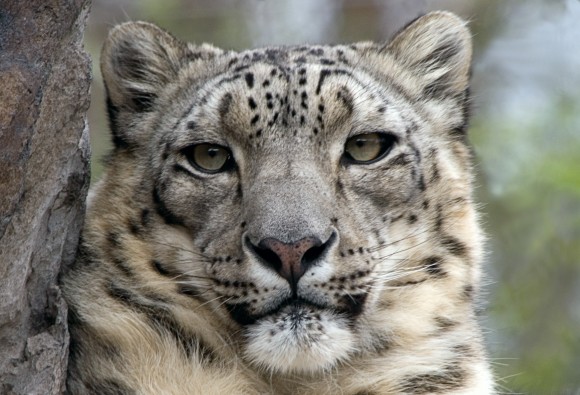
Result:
[{"x": 282, "y": 220}]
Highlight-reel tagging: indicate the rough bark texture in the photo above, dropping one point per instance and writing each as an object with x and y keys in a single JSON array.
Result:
[{"x": 44, "y": 152}]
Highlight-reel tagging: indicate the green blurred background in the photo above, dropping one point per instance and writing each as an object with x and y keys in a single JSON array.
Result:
[{"x": 525, "y": 133}]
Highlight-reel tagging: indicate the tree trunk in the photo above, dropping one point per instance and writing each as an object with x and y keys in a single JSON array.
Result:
[{"x": 44, "y": 154}]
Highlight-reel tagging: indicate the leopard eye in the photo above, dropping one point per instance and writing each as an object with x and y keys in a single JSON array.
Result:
[
  {"x": 368, "y": 147},
  {"x": 209, "y": 158}
]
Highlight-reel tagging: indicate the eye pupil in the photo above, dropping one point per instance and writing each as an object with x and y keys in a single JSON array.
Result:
[
  {"x": 212, "y": 152},
  {"x": 368, "y": 147}
]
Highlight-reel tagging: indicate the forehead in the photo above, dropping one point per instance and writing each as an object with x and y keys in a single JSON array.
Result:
[{"x": 299, "y": 92}]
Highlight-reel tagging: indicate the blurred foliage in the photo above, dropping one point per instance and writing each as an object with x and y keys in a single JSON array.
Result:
[
  {"x": 533, "y": 219},
  {"x": 526, "y": 137}
]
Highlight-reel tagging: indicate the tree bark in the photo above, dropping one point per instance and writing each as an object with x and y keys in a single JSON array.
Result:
[{"x": 44, "y": 154}]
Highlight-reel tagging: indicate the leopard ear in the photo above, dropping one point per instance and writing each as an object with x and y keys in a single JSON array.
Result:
[
  {"x": 437, "y": 47},
  {"x": 139, "y": 60}
]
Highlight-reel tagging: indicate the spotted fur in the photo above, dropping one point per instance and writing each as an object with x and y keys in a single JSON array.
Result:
[{"x": 173, "y": 291}]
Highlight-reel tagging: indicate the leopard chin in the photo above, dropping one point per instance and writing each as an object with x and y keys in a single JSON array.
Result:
[{"x": 299, "y": 339}]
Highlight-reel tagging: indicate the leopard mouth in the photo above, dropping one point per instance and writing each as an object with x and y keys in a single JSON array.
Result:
[
  {"x": 349, "y": 307},
  {"x": 240, "y": 312}
]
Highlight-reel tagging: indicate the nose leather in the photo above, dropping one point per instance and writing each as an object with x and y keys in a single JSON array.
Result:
[{"x": 291, "y": 264}]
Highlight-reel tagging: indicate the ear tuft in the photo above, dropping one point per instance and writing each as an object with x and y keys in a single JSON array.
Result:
[{"x": 437, "y": 47}]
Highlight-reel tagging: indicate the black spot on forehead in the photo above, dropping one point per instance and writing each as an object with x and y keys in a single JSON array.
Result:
[
  {"x": 327, "y": 61},
  {"x": 249, "y": 77},
  {"x": 323, "y": 74},
  {"x": 316, "y": 51},
  {"x": 241, "y": 68},
  {"x": 346, "y": 99},
  {"x": 275, "y": 54},
  {"x": 225, "y": 103}
]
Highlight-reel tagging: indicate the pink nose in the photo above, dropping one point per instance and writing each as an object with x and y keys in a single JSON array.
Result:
[{"x": 290, "y": 260}]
